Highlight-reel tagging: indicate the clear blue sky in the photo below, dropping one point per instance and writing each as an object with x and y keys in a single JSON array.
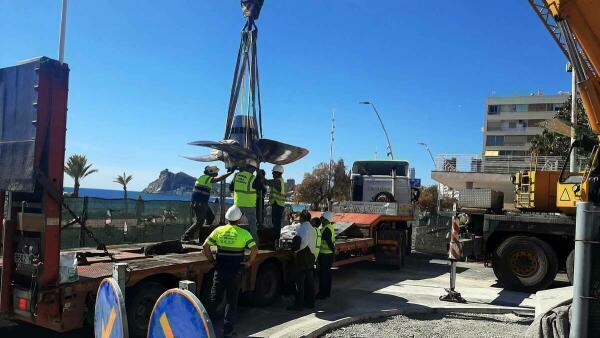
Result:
[{"x": 149, "y": 76}]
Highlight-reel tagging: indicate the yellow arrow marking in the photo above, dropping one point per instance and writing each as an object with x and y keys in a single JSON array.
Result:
[
  {"x": 106, "y": 331},
  {"x": 164, "y": 322}
]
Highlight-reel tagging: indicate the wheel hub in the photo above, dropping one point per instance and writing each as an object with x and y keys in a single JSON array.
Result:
[{"x": 524, "y": 263}]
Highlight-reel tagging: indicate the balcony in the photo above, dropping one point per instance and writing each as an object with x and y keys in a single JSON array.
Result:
[{"x": 500, "y": 164}]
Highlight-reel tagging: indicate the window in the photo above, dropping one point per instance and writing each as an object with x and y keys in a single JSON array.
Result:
[
  {"x": 515, "y": 140},
  {"x": 508, "y": 108},
  {"x": 494, "y": 125},
  {"x": 493, "y": 109},
  {"x": 494, "y": 140},
  {"x": 522, "y": 108},
  {"x": 512, "y": 124},
  {"x": 558, "y": 106}
]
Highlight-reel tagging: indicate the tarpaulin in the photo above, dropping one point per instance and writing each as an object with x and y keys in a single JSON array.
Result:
[{"x": 18, "y": 96}]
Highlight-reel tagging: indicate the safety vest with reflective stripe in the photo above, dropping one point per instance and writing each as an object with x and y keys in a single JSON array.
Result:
[
  {"x": 324, "y": 247},
  {"x": 318, "y": 246},
  {"x": 204, "y": 182},
  {"x": 278, "y": 196},
  {"x": 244, "y": 195},
  {"x": 231, "y": 240}
]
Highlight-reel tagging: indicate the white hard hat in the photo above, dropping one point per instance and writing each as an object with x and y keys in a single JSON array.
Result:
[
  {"x": 328, "y": 215},
  {"x": 278, "y": 168},
  {"x": 211, "y": 169},
  {"x": 233, "y": 214},
  {"x": 252, "y": 163}
]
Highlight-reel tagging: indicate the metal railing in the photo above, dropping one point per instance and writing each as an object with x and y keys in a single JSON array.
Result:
[{"x": 501, "y": 164}]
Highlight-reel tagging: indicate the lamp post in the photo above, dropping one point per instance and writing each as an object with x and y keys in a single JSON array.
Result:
[
  {"x": 439, "y": 199},
  {"x": 390, "y": 154}
]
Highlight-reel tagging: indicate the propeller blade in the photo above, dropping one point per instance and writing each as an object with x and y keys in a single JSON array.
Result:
[
  {"x": 557, "y": 126},
  {"x": 276, "y": 152},
  {"x": 203, "y": 158},
  {"x": 230, "y": 147}
]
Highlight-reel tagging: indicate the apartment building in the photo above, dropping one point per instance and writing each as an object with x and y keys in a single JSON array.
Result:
[{"x": 512, "y": 121}]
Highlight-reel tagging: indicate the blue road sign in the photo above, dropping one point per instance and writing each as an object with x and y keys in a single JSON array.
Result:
[
  {"x": 415, "y": 182},
  {"x": 110, "y": 320},
  {"x": 179, "y": 313}
]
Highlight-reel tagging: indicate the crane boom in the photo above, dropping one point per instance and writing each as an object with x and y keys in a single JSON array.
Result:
[{"x": 575, "y": 27}]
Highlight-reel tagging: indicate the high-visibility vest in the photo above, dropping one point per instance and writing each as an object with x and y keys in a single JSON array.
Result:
[
  {"x": 204, "y": 182},
  {"x": 244, "y": 195},
  {"x": 324, "y": 247},
  {"x": 318, "y": 246},
  {"x": 231, "y": 240},
  {"x": 278, "y": 196}
]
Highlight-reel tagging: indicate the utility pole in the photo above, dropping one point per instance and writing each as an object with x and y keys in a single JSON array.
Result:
[
  {"x": 390, "y": 153},
  {"x": 63, "y": 30},
  {"x": 330, "y": 178}
]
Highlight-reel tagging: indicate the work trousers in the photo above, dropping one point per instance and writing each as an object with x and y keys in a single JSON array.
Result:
[
  {"x": 324, "y": 266},
  {"x": 276, "y": 218},
  {"x": 305, "y": 288},
  {"x": 226, "y": 283},
  {"x": 250, "y": 214},
  {"x": 202, "y": 213}
]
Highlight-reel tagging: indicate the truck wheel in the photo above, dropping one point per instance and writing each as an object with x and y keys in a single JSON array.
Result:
[
  {"x": 216, "y": 311},
  {"x": 571, "y": 266},
  {"x": 268, "y": 285},
  {"x": 525, "y": 263},
  {"x": 140, "y": 305}
]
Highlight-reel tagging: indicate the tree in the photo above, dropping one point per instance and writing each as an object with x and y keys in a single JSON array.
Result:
[
  {"x": 78, "y": 168},
  {"x": 123, "y": 181},
  {"x": 428, "y": 200},
  {"x": 549, "y": 143},
  {"x": 314, "y": 188}
]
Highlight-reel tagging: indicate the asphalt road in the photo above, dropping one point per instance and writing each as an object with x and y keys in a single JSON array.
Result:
[{"x": 359, "y": 287}]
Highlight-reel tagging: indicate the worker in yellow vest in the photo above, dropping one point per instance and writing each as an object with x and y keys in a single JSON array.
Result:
[
  {"x": 277, "y": 198},
  {"x": 244, "y": 187},
  {"x": 316, "y": 224},
  {"x": 326, "y": 255},
  {"x": 200, "y": 198},
  {"x": 231, "y": 242}
]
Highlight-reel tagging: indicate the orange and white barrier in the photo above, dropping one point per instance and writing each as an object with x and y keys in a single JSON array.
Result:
[{"x": 455, "y": 249}]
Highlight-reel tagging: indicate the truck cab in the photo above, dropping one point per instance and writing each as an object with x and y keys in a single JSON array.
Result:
[{"x": 381, "y": 181}]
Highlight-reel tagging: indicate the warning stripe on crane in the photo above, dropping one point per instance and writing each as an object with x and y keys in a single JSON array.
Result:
[{"x": 454, "y": 251}]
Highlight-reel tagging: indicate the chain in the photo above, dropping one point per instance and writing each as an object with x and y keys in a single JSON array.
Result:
[{"x": 89, "y": 233}]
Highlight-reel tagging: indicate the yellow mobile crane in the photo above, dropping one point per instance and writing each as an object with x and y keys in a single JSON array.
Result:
[{"x": 575, "y": 27}]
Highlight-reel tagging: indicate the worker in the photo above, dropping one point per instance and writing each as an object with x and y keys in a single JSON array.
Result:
[
  {"x": 304, "y": 261},
  {"x": 326, "y": 255},
  {"x": 200, "y": 198},
  {"x": 316, "y": 223},
  {"x": 245, "y": 186},
  {"x": 277, "y": 198},
  {"x": 231, "y": 241}
]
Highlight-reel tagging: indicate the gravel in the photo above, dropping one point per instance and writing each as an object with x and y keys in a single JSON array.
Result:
[{"x": 461, "y": 325}]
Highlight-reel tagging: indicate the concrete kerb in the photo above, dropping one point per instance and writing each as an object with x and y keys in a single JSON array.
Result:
[{"x": 429, "y": 310}]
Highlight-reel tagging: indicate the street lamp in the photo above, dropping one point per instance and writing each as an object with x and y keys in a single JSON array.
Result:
[
  {"x": 390, "y": 154},
  {"x": 429, "y": 151},
  {"x": 434, "y": 167}
]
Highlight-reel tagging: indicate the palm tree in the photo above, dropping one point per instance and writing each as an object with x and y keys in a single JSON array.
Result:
[
  {"x": 124, "y": 180},
  {"x": 78, "y": 168}
]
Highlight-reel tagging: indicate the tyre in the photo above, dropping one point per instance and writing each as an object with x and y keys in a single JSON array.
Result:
[
  {"x": 268, "y": 285},
  {"x": 139, "y": 307},
  {"x": 524, "y": 263},
  {"x": 571, "y": 266},
  {"x": 216, "y": 311},
  {"x": 384, "y": 196}
]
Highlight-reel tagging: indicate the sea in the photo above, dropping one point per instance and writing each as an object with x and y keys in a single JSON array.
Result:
[{"x": 116, "y": 194}]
